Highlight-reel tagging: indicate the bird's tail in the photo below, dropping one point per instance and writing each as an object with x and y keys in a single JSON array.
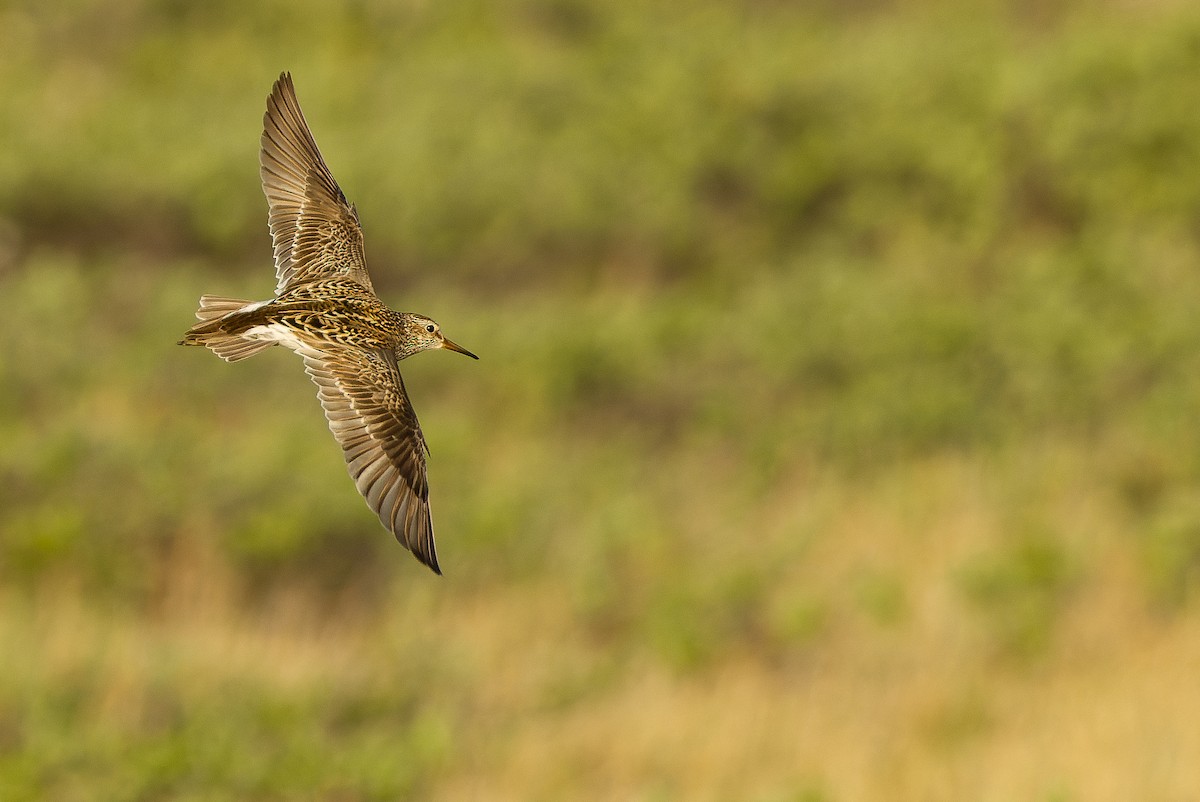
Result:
[{"x": 209, "y": 333}]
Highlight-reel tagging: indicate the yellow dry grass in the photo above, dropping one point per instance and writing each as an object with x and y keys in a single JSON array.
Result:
[{"x": 924, "y": 707}]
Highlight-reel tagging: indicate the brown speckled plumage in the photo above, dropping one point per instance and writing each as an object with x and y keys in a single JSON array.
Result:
[{"x": 326, "y": 310}]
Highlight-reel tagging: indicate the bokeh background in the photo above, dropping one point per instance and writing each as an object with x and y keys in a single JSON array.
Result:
[{"x": 834, "y": 438}]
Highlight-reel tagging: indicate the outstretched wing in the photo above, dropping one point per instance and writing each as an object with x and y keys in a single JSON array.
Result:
[
  {"x": 370, "y": 415},
  {"x": 314, "y": 229}
]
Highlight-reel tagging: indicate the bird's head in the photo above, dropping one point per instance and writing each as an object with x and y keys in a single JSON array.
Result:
[{"x": 425, "y": 334}]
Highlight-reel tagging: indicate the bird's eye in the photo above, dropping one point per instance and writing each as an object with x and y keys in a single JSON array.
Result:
[{"x": 429, "y": 328}]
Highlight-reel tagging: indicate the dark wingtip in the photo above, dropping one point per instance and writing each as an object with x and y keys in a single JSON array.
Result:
[
  {"x": 426, "y": 553},
  {"x": 430, "y": 561},
  {"x": 282, "y": 85}
]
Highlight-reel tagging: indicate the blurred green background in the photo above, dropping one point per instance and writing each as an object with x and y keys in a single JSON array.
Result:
[{"x": 834, "y": 438}]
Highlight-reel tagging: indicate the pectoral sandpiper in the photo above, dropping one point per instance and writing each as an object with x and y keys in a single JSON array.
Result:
[{"x": 325, "y": 309}]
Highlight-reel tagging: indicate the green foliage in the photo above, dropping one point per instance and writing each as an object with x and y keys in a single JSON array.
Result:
[
  {"x": 371, "y": 743},
  {"x": 744, "y": 277},
  {"x": 1020, "y": 591},
  {"x": 1170, "y": 553}
]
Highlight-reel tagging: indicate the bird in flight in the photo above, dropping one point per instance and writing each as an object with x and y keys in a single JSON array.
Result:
[{"x": 326, "y": 310}]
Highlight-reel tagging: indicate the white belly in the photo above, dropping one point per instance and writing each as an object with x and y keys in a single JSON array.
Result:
[{"x": 276, "y": 333}]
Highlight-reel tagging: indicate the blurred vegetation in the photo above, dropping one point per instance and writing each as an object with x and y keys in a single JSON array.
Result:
[{"x": 834, "y": 435}]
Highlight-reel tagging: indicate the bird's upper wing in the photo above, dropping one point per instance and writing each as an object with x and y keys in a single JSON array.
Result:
[
  {"x": 370, "y": 415},
  {"x": 314, "y": 229}
]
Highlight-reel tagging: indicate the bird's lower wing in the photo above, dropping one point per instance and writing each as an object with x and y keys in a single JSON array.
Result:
[{"x": 370, "y": 415}]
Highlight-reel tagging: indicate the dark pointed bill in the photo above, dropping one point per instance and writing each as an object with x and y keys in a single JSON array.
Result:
[{"x": 453, "y": 346}]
